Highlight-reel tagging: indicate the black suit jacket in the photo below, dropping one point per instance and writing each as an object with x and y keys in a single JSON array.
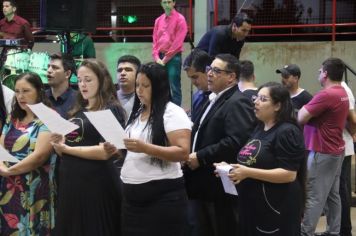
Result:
[{"x": 223, "y": 132}]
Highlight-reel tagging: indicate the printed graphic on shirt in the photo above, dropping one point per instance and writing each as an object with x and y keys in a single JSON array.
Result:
[
  {"x": 247, "y": 155},
  {"x": 78, "y": 134}
]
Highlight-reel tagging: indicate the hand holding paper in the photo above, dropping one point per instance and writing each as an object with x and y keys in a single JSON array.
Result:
[
  {"x": 54, "y": 122},
  {"x": 223, "y": 171},
  {"x": 108, "y": 126}
]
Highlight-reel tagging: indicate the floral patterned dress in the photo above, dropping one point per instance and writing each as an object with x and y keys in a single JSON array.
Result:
[{"x": 27, "y": 200}]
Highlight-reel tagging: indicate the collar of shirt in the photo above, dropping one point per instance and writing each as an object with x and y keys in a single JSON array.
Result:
[
  {"x": 63, "y": 96},
  {"x": 173, "y": 12},
  {"x": 213, "y": 96},
  {"x": 15, "y": 19}
]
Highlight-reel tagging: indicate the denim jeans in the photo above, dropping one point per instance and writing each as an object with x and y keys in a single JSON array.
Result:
[{"x": 173, "y": 67}]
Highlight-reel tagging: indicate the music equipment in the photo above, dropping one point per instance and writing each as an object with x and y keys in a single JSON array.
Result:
[
  {"x": 17, "y": 59},
  {"x": 12, "y": 42},
  {"x": 68, "y": 15}
]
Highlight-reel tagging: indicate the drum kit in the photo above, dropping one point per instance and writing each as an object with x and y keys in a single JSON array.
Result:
[
  {"x": 14, "y": 60},
  {"x": 19, "y": 61}
]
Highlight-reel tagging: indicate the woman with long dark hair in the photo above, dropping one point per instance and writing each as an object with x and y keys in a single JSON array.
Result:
[
  {"x": 27, "y": 189},
  {"x": 271, "y": 167},
  {"x": 154, "y": 197},
  {"x": 88, "y": 188}
]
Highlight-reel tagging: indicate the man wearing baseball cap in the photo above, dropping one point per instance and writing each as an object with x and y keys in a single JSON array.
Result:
[{"x": 290, "y": 79}]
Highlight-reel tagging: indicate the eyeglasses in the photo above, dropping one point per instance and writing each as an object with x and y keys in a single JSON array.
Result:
[
  {"x": 216, "y": 70},
  {"x": 167, "y": 2},
  {"x": 262, "y": 98}
]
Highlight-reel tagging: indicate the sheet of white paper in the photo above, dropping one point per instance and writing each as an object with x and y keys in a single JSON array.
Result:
[
  {"x": 229, "y": 186},
  {"x": 108, "y": 126},
  {"x": 6, "y": 156},
  {"x": 54, "y": 122}
]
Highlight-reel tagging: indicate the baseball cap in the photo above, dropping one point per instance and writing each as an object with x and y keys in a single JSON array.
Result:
[{"x": 291, "y": 69}]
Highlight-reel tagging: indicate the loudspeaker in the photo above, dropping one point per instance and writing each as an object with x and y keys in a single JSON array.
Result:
[{"x": 68, "y": 15}]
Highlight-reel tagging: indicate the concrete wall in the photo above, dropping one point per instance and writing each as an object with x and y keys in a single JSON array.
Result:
[{"x": 267, "y": 57}]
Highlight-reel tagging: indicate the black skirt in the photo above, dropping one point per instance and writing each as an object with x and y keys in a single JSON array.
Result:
[
  {"x": 154, "y": 208},
  {"x": 88, "y": 198}
]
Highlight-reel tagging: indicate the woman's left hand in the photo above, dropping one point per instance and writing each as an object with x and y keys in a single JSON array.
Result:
[
  {"x": 238, "y": 173},
  {"x": 110, "y": 149},
  {"x": 135, "y": 145},
  {"x": 59, "y": 148},
  {"x": 57, "y": 141}
]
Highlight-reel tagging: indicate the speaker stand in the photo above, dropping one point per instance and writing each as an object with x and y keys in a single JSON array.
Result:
[{"x": 65, "y": 37}]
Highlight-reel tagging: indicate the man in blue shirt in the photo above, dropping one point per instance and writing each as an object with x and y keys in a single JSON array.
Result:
[
  {"x": 227, "y": 38},
  {"x": 61, "y": 95}
]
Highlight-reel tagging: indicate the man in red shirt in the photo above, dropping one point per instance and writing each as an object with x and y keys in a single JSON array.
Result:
[
  {"x": 168, "y": 37},
  {"x": 324, "y": 119},
  {"x": 14, "y": 26}
]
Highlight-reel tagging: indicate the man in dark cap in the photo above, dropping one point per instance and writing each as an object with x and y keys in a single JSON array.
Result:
[{"x": 290, "y": 79}]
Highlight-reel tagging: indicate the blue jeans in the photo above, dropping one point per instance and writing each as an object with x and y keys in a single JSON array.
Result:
[{"x": 173, "y": 67}]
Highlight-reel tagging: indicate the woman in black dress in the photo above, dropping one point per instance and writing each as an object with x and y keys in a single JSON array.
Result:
[
  {"x": 270, "y": 170},
  {"x": 88, "y": 195}
]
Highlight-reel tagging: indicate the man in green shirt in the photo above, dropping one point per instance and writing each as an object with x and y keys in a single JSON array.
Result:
[{"x": 81, "y": 46}]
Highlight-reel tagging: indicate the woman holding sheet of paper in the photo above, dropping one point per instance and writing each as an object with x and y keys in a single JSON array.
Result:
[
  {"x": 27, "y": 189},
  {"x": 154, "y": 197},
  {"x": 88, "y": 194},
  {"x": 270, "y": 170}
]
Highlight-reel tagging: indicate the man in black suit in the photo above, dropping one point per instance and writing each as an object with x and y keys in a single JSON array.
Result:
[{"x": 217, "y": 135}]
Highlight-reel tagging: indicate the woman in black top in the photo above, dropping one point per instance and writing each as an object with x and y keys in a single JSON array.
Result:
[
  {"x": 88, "y": 194},
  {"x": 269, "y": 173}
]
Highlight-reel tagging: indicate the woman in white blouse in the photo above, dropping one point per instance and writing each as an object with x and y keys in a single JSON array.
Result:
[{"x": 154, "y": 197}]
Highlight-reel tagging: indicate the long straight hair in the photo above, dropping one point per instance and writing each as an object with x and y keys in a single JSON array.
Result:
[{"x": 158, "y": 77}]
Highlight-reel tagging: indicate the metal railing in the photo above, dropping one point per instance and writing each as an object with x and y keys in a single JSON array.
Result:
[{"x": 348, "y": 68}]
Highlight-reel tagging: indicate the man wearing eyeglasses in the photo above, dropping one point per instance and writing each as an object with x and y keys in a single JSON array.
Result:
[
  {"x": 127, "y": 67},
  {"x": 217, "y": 135},
  {"x": 227, "y": 38},
  {"x": 169, "y": 33}
]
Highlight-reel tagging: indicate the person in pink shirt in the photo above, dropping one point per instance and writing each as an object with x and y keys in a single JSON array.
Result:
[{"x": 169, "y": 33}]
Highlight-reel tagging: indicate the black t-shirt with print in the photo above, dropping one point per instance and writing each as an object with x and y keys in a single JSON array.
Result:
[{"x": 271, "y": 207}]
